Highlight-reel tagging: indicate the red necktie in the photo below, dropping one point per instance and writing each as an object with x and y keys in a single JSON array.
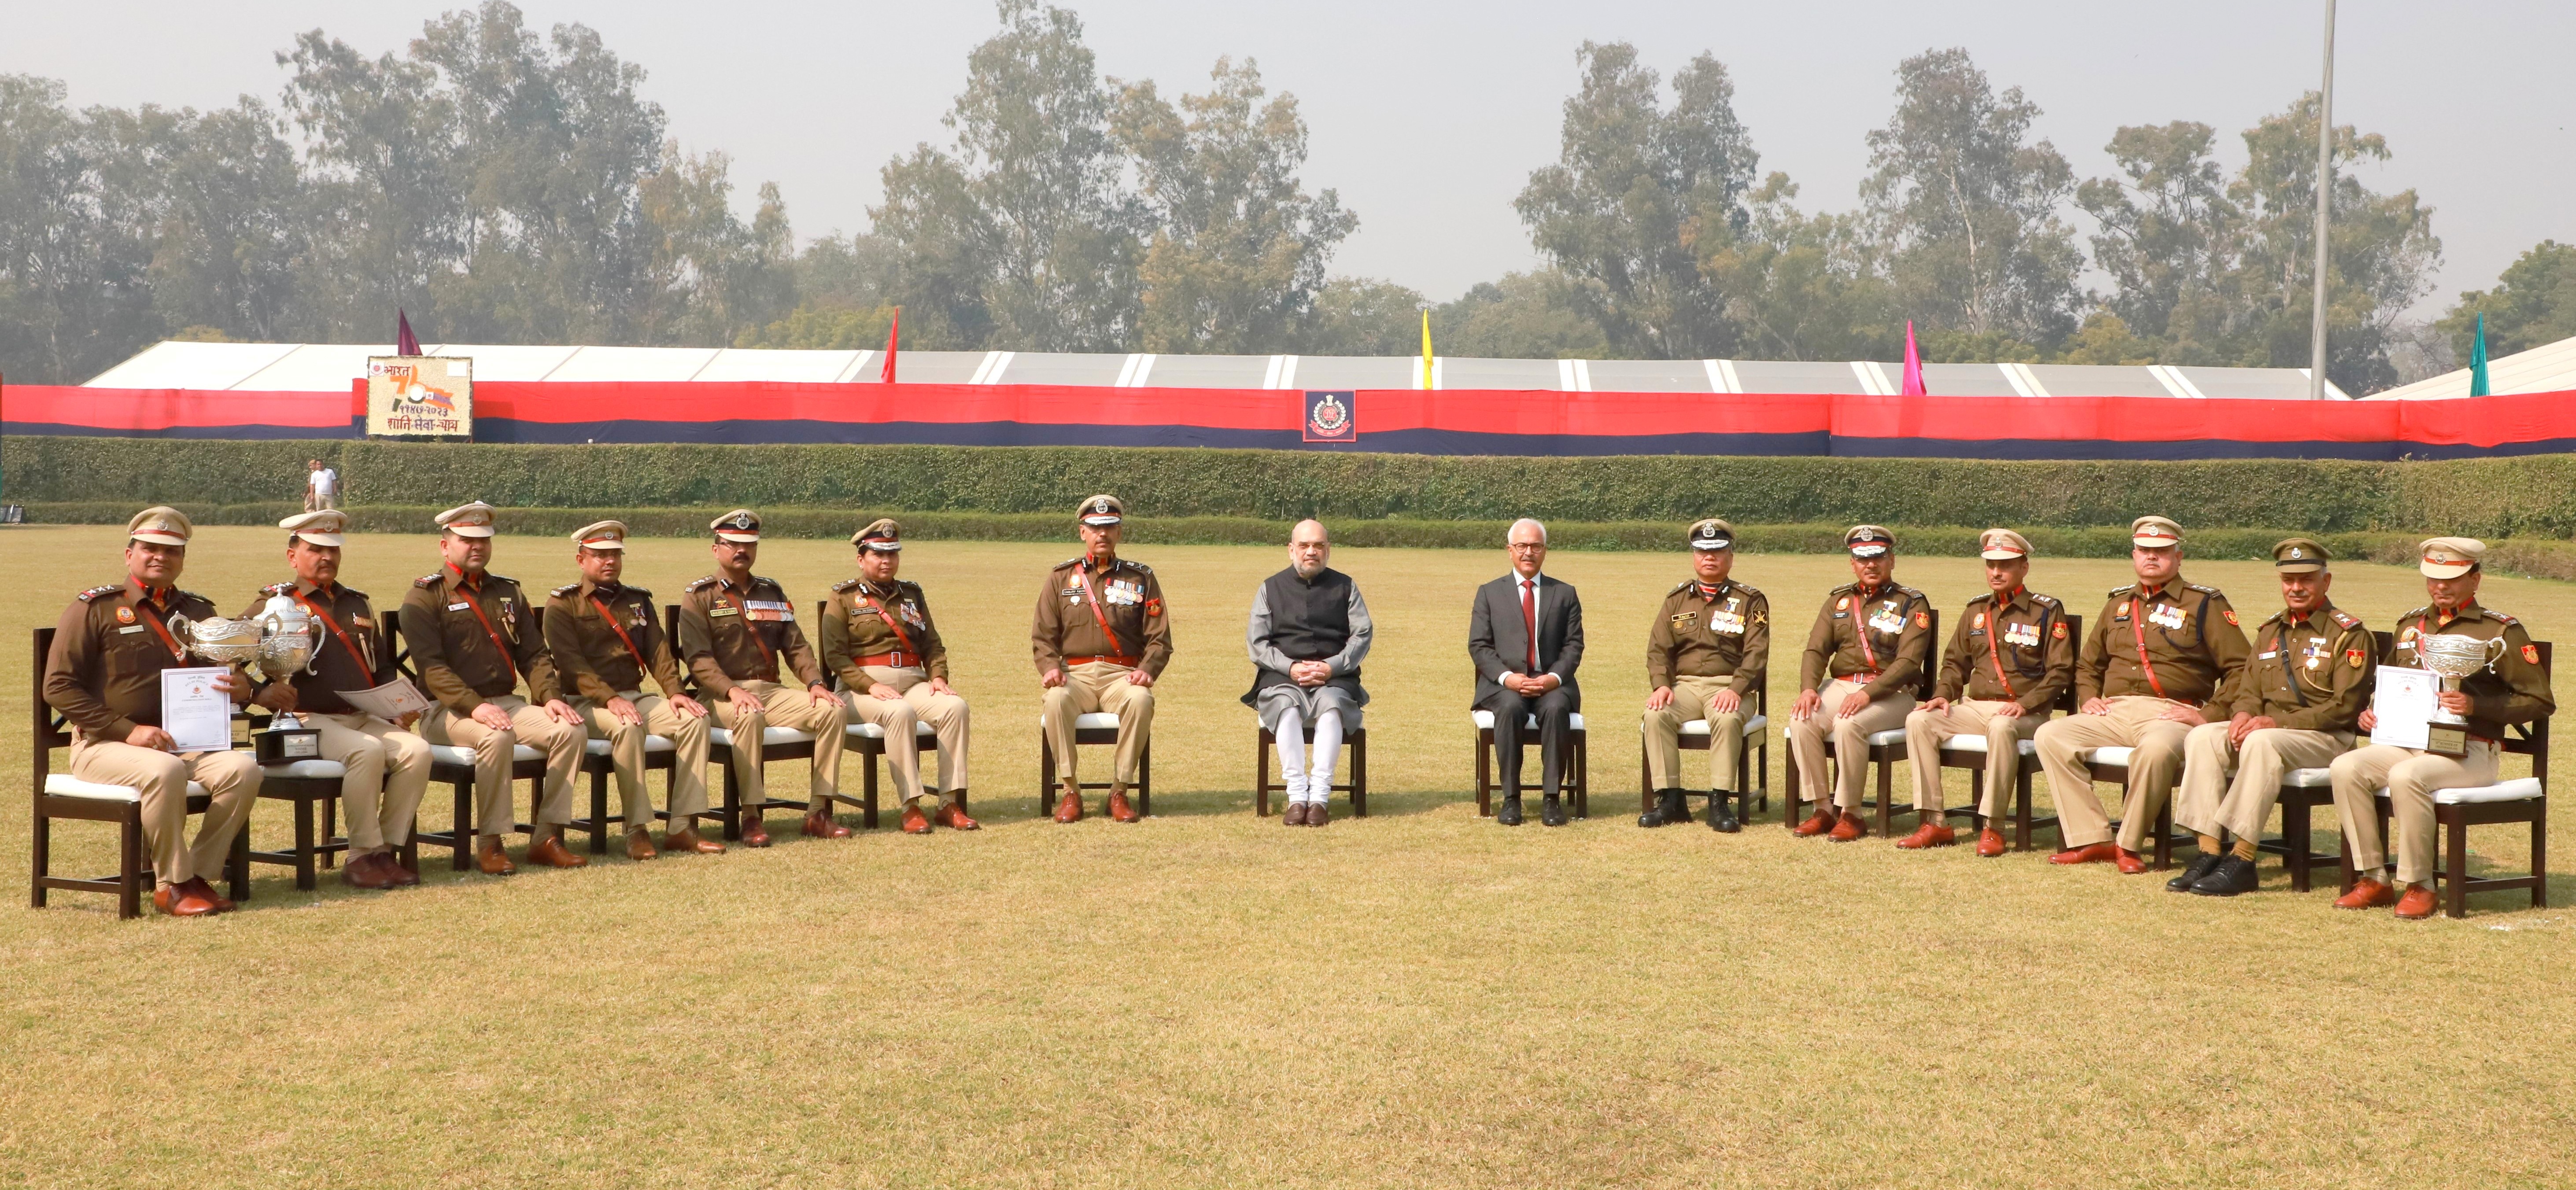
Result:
[{"x": 1529, "y": 620}]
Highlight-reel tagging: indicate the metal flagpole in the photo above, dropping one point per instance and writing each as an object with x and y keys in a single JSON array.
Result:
[{"x": 2325, "y": 196}]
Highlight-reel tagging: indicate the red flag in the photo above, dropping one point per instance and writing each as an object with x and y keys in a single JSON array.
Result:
[
  {"x": 405, "y": 343},
  {"x": 893, "y": 328}
]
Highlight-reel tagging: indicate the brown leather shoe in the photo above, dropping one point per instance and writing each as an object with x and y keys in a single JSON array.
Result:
[
  {"x": 2129, "y": 863},
  {"x": 1295, "y": 815},
  {"x": 549, "y": 851},
  {"x": 687, "y": 841},
  {"x": 368, "y": 872},
  {"x": 223, "y": 904},
  {"x": 953, "y": 816},
  {"x": 914, "y": 821},
  {"x": 755, "y": 833},
  {"x": 1068, "y": 804},
  {"x": 489, "y": 857},
  {"x": 402, "y": 877},
  {"x": 2090, "y": 853},
  {"x": 1319, "y": 813},
  {"x": 1990, "y": 843},
  {"x": 181, "y": 900},
  {"x": 2417, "y": 904},
  {"x": 1930, "y": 834},
  {"x": 819, "y": 825},
  {"x": 1822, "y": 821},
  {"x": 1119, "y": 810},
  {"x": 639, "y": 845},
  {"x": 1848, "y": 829},
  {"x": 2367, "y": 894}
]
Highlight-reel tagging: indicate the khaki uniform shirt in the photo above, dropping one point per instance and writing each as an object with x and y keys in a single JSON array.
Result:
[
  {"x": 1881, "y": 638},
  {"x": 2193, "y": 647},
  {"x": 2512, "y": 690},
  {"x": 2009, "y": 648},
  {"x": 732, "y": 634},
  {"x": 104, "y": 670},
  {"x": 857, "y": 628},
  {"x": 1124, "y": 594},
  {"x": 1698, "y": 634},
  {"x": 598, "y": 652},
  {"x": 353, "y": 658},
  {"x": 2310, "y": 673},
  {"x": 474, "y": 639}
]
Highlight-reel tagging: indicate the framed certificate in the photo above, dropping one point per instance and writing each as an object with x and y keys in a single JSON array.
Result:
[
  {"x": 196, "y": 713},
  {"x": 2405, "y": 702}
]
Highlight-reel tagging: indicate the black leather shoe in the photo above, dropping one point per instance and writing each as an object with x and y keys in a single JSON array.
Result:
[
  {"x": 2234, "y": 874},
  {"x": 1721, "y": 812},
  {"x": 1510, "y": 814},
  {"x": 1676, "y": 808},
  {"x": 1551, "y": 812},
  {"x": 2201, "y": 865}
]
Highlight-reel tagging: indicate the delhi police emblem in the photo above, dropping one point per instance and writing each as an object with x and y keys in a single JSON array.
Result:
[{"x": 1331, "y": 416}]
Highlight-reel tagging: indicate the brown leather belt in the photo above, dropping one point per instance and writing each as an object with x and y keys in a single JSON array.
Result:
[
  {"x": 894, "y": 659},
  {"x": 1129, "y": 662}
]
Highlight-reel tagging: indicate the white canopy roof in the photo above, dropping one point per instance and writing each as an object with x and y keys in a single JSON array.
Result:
[{"x": 2548, "y": 368}]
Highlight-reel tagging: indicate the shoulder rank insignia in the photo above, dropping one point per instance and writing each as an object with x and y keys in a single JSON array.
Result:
[
  {"x": 1684, "y": 585},
  {"x": 640, "y": 592},
  {"x": 1075, "y": 560},
  {"x": 701, "y": 584},
  {"x": 96, "y": 593},
  {"x": 2347, "y": 619},
  {"x": 490, "y": 577},
  {"x": 847, "y": 585},
  {"x": 430, "y": 579},
  {"x": 567, "y": 591},
  {"x": 2117, "y": 592},
  {"x": 2500, "y": 617},
  {"x": 1750, "y": 592},
  {"x": 277, "y": 588},
  {"x": 2203, "y": 590}
]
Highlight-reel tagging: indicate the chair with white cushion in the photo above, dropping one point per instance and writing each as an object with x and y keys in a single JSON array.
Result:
[
  {"x": 659, "y": 753},
  {"x": 61, "y": 795},
  {"x": 2112, "y": 765},
  {"x": 1969, "y": 752},
  {"x": 1100, "y": 728},
  {"x": 1752, "y": 765},
  {"x": 2522, "y": 800},
  {"x": 867, "y": 742},
  {"x": 308, "y": 785},
  {"x": 1263, "y": 740},
  {"x": 1888, "y": 747},
  {"x": 776, "y": 743},
  {"x": 1579, "y": 759},
  {"x": 452, "y": 765}
]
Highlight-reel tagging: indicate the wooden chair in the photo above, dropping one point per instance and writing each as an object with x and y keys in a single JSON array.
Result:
[
  {"x": 2521, "y": 800},
  {"x": 1969, "y": 752},
  {"x": 61, "y": 795},
  {"x": 660, "y": 754},
  {"x": 776, "y": 743},
  {"x": 1096, "y": 728},
  {"x": 867, "y": 742},
  {"x": 452, "y": 765},
  {"x": 1262, "y": 786},
  {"x": 313, "y": 788},
  {"x": 1577, "y": 744},
  {"x": 1752, "y": 765},
  {"x": 1888, "y": 747},
  {"x": 2303, "y": 792}
]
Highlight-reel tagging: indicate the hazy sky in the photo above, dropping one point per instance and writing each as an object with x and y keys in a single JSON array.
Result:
[{"x": 1428, "y": 116}]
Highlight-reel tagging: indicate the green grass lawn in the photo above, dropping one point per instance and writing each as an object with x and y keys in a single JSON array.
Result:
[{"x": 1207, "y": 999}]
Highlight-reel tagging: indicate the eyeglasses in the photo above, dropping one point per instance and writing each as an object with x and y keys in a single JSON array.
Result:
[{"x": 1523, "y": 547}]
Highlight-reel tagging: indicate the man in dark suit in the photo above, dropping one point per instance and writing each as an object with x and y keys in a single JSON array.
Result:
[{"x": 1525, "y": 635}]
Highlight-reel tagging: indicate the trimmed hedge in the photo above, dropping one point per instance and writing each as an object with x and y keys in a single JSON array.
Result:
[
  {"x": 2531, "y": 496},
  {"x": 2536, "y": 557}
]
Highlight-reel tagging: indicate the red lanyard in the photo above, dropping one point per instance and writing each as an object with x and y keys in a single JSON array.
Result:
[
  {"x": 628, "y": 641},
  {"x": 345, "y": 642},
  {"x": 506, "y": 661},
  {"x": 906, "y": 637},
  {"x": 157, "y": 626},
  {"x": 1994, "y": 629},
  {"x": 2138, "y": 625},
  {"x": 1082, "y": 570},
  {"x": 1860, "y": 631}
]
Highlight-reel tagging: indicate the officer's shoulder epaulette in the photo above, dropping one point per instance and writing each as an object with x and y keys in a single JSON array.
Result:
[
  {"x": 632, "y": 589},
  {"x": 1138, "y": 567},
  {"x": 701, "y": 584},
  {"x": 95, "y": 594},
  {"x": 1751, "y": 590},
  {"x": 2117, "y": 592},
  {"x": 2500, "y": 617},
  {"x": 1844, "y": 589},
  {"x": 2347, "y": 619},
  {"x": 2043, "y": 600},
  {"x": 2206, "y": 590},
  {"x": 490, "y": 577},
  {"x": 1069, "y": 563},
  {"x": 845, "y": 586},
  {"x": 568, "y": 590},
  {"x": 184, "y": 593},
  {"x": 1678, "y": 588},
  {"x": 430, "y": 579},
  {"x": 2274, "y": 618},
  {"x": 1910, "y": 591},
  {"x": 277, "y": 588},
  {"x": 2415, "y": 613},
  {"x": 353, "y": 591}
]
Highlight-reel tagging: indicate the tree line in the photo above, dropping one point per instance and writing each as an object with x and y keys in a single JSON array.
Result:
[{"x": 505, "y": 186}]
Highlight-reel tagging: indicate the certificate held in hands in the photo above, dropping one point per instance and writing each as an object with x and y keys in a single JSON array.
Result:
[
  {"x": 195, "y": 713},
  {"x": 389, "y": 702},
  {"x": 2405, "y": 703}
]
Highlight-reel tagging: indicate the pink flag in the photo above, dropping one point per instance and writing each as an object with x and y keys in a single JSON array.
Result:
[
  {"x": 405, "y": 342},
  {"x": 892, "y": 328},
  {"x": 1913, "y": 365}
]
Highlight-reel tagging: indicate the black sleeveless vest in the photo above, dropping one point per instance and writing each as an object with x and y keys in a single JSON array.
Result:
[{"x": 1309, "y": 621}]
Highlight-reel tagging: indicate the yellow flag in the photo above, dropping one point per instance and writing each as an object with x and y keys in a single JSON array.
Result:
[{"x": 1426, "y": 347}]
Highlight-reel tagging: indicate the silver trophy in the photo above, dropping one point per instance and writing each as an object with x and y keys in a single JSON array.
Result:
[
  {"x": 280, "y": 640},
  {"x": 2454, "y": 657},
  {"x": 289, "y": 637},
  {"x": 221, "y": 641}
]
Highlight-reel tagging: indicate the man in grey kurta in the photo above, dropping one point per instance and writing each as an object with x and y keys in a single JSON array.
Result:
[{"x": 1308, "y": 634}]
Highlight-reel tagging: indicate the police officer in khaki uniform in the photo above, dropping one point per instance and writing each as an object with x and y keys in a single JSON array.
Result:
[
  {"x": 1708, "y": 648},
  {"x": 1100, "y": 637},
  {"x": 2154, "y": 666},
  {"x": 2512, "y": 689},
  {"x": 734, "y": 625},
  {"x": 104, "y": 674},
  {"x": 2009, "y": 658},
  {"x": 388, "y": 764},
  {"x": 473, "y": 638},
  {"x": 894, "y": 671},
  {"x": 605, "y": 635},
  {"x": 2294, "y": 708},
  {"x": 1864, "y": 661}
]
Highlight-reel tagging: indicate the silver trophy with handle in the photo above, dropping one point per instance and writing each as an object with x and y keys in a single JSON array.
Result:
[{"x": 2454, "y": 657}]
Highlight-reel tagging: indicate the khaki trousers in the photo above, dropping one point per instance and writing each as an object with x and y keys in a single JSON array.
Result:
[
  {"x": 388, "y": 774},
  {"x": 790, "y": 707},
  {"x": 1926, "y": 731},
  {"x": 2209, "y": 801},
  {"x": 946, "y": 715},
  {"x": 688, "y": 736},
  {"x": 1090, "y": 688},
  {"x": 2411, "y": 778},
  {"x": 2133, "y": 721},
  {"x": 161, "y": 779},
  {"x": 1850, "y": 737},
  {"x": 1691, "y": 698},
  {"x": 529, "y": 724}
]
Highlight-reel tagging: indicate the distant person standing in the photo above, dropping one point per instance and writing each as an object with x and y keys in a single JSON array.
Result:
[{"x": 321, "y": 486}]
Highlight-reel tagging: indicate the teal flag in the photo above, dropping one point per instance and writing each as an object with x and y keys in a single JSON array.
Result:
[{"x": 2478, "y": 360}]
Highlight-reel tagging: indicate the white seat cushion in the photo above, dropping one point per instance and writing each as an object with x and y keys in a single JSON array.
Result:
[
  {"x": 67, "y": 785},
  {"x": 1699, "y": 727},
  {"x": 459, "y": 754},
  {"x": 722, "y": 737},
  {"x": 1977, "y": 743},
  {"x": 2309, "y": 778},
  {"x": 652, "y": 743},
  {"x": 1095, "y": 721},
  {"x": 870, "y": 731},
  {"x": 1893, "y": 735},
  {"x": 2105, "y": 755},
  {"x": 306, "y": 768},
  {"x": 1485, "y": 721},
  {"x": 2520, "y": 790}
]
